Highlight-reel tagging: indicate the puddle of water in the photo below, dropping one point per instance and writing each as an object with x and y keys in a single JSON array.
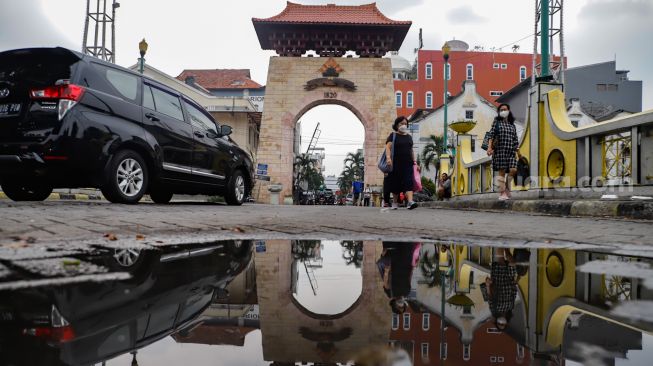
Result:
[{"x": 283, "y": 301}]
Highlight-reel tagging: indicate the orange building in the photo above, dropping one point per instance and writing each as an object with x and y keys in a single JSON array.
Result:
[
  {"x": 418, "y": 332},
  {"x": 494, "y": 73}
]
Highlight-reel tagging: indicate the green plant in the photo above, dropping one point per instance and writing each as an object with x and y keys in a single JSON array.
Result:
[{"x": 428, "y": 184}]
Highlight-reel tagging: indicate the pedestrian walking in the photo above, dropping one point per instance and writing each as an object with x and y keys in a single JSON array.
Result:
[
  {"x": 396, "y": 265},
  {"x": 401, "y": 178},
  {"x": 501, "y": 287},
  {"x": 502, "y": 146}
]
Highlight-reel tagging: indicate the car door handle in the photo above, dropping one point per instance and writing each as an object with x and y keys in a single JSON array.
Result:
[
  {"x": 198, "y": 134},
  {"x": 151, "y": 117}
]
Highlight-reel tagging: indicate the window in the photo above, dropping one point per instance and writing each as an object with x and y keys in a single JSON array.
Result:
[
  {"x": 148, "y": 99},
  {"x": 113, "y": 81},
  {"x": 520, "y": 352},
  {"x": 504, "y": 66},
  {"x": 574, "y": 122},
  {"x": 601, "y": 87},
  {"x": 446, "y": 70},
  {"x": 443, "y": 351},
  {"x": 398, "y": 99},
  {"x": 495, "y": 65},
  {"x": 167, "y": 104},
  {"x": 496, "y": 93},
  {"x": 429, "y": 71},
  {"x": 500, "y": 359},
  {"x": 470, "y": 72},
  {"x": 612, "y": 87},
  {"x": 425, "y": 351},
  {"x": 125, "y": 84},
  {"x": 406, "y": 321},
  {"x": 426, "y": 321},
  {"x": 429, "y": 100},
  {"x": 395, "y": 321},
  {"x": 467, "y": 352},
  {"x": 200, "y": 119},
  {"x": 469, "y": 115},
  {"x": 493, "y": 331},
  {"x": 409, "y": 99},
  {"x": 522, "y": 73}
]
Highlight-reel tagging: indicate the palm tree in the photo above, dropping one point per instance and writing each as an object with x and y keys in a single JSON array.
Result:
[
  {"x": 303, "y": 166},
  {"x": 352, "y": 252},
  {"x": 357, "y": 162},
  {"x": 432, "y": 151}
]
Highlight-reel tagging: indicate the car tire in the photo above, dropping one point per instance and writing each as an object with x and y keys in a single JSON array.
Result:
[
  {"x": 24, "y": 191},
  {"x": 126, "y": 178},
  {"x": 160, "y": 195},
  {"x": 236, "y": 189}
]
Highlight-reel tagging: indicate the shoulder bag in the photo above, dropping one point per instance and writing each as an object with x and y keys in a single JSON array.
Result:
[
  {"x": 487, "y": 137},
  {"x": 383, "y": 159}
]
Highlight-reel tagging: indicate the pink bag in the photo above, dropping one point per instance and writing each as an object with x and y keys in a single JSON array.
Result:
[{"x": 417, "y": 179}]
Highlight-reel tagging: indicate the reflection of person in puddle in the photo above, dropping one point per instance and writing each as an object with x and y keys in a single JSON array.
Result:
[
  {"x": 502, "y": 287},
  {"x": 396, "y": 267}
]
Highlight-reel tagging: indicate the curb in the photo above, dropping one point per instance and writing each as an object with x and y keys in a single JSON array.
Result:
[
  {"x": 65, "y": 196},
  {"x": 591, "y": 208}
]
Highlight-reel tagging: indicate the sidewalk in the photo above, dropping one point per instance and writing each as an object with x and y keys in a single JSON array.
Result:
[{"x": 613, "y": 208}]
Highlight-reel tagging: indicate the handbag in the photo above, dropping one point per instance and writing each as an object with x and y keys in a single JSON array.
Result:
[
  {"x": 417, "y": 179},
  {"x": 488, "y": 136},
  {"x": 383, "y": 160}
]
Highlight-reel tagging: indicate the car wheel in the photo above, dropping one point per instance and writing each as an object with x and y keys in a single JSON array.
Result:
[
  {"x": 126, "y": 178},
  {"x": 236, "y": 189},
  {"x": 26, "y": 191},
  {"x": 126, "y": 257},
  {"x": 160, "y": 195}
]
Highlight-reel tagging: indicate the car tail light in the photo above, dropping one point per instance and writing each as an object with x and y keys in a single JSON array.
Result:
[
  {"x": 67, "y": 94},
  {"x": 59, "y": 330}
]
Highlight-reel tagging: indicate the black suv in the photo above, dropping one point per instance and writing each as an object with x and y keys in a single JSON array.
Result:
[{"x": 69, "y": 120}]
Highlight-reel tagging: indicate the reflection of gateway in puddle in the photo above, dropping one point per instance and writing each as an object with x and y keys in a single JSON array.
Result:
[{"x": 291, "y": 333}]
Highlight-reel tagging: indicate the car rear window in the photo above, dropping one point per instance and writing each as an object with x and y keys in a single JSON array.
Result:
[
  {"x": 113, "y": 81},
  {"x": 36, "y": 67}
]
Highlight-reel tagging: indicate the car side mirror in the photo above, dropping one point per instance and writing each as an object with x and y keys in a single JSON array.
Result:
[{"x": 225, "y": 130}]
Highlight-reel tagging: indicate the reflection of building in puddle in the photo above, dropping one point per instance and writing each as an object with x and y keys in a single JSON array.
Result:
[
  {"x": 470, "y": 336},
  {"x": 292, "y": 333},
  {"x": 569, "y": 317}
]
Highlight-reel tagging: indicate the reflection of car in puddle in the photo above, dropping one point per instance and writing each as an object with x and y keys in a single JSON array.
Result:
[{"x": 91, "y": 322}]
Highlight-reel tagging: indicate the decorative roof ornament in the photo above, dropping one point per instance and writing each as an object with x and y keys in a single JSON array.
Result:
[{"x": 331, "y": 68}]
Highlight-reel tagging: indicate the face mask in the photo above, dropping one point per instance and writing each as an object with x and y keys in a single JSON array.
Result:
[
  {"x": 403, "y": 129},
  {"x": 504, "y": 114}
]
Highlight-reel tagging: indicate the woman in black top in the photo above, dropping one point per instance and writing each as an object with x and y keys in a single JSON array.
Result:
[
  {"x": 401, "y": 178},
  {"x": 502, "y": 146}
]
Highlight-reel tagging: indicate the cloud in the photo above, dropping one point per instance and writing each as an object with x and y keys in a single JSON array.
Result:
[
  {"x": 464, "y": 15},
  {"x": 621, "y": 29},
  {"x": 23, "y": 24}
]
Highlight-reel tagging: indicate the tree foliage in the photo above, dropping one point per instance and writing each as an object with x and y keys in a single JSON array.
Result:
[{"x": 431, "y": 152}]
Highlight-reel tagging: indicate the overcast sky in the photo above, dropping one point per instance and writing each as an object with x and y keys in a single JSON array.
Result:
[{"x": 219, "y": 34}]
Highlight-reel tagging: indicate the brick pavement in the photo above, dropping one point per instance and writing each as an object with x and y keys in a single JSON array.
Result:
[{"x": 81, "y": 223}]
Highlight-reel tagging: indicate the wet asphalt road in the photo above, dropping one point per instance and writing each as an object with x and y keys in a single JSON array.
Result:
[{"x": 74, "y": 224}]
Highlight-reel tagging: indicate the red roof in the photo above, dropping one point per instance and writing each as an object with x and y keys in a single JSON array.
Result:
[
  {"x": 367, "y": 14},
  {"x": 221, "y": 78}
]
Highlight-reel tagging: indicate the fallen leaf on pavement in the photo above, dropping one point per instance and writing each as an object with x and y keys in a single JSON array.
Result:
[
  {"x": 111, "y": 236},
  {"x": 140, "y": 237}
]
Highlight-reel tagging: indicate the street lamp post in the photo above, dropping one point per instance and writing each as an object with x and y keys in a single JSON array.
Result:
[
  {"x": 142, "y": 48},
  {"x": 445, "y": 55}
]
